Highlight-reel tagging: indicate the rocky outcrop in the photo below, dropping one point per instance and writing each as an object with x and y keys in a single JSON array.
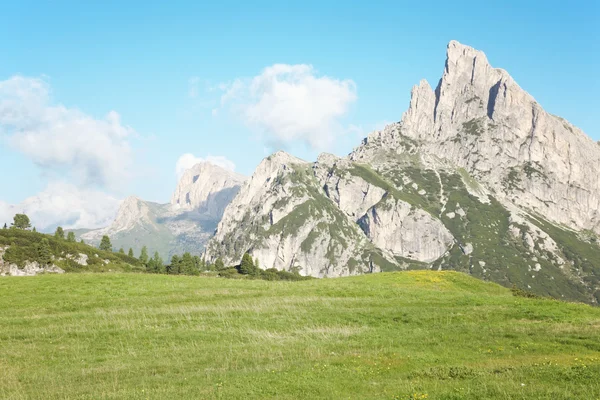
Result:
[{"x": 30, "y": 268}]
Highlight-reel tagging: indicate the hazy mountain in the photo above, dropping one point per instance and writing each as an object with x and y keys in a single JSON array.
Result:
[{"x": 184, "y": 224}]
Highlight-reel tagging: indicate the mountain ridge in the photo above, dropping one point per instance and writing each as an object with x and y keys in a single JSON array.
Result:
[{"x": 475, "y": 168}]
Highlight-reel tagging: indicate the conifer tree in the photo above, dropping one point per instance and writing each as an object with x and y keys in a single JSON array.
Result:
[
  {"x": 105, "y": 244},
  {"x": 158, "y": 263},
  {"x": 247, "y": 266},
  {"x": 173, "y": 267},
  {"x": 130, "y": 252},
  {"x": 44, "y": 254},
  {"x": 144, "y": 255},
  {"x": 59, "y": 233},
  {"x": 121, "y": 251},
  {"x": 71, "y": 237}
]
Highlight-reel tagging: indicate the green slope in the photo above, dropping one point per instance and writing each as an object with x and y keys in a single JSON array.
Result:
[
  {"x": 22, "y": 248},
  {"x": 403, "y": 335}
]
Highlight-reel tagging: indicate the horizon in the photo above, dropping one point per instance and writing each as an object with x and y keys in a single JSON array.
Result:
[{"x": 96, "y": 104}]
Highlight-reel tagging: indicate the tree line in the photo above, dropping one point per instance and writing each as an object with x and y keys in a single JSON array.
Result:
[{"x": 185, "y": 264}]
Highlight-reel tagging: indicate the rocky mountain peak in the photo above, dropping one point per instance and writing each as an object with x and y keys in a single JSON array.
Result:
[
  {"x": 479, "y": 119},
  {"x": 206, "y": 187}
]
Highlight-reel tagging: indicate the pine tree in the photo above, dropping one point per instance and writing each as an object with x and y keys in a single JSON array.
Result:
[
  {"x": 144, "y": 255},
  {"x": 105, "y": 244},
  {"x": 21, "y": 221},
  {"x": 219, "y": 264},
  {"x": 59, "y": 233},
  {"x": 158, "y": 263},
  {"x": 187, "y": 265},
  {"x": 130, "y": 252},
  {"x": 247, "y": 266},
  {"x": 81, "y": 241},
  {"x": 71, "y": 237},
  {"x": 33, "y": 230},
  {"x": 173, "y": 268},
  {"x": 121, "y": 251},
  {"x": 44, "y": 254},
  {"x": 5, "y": 226}
]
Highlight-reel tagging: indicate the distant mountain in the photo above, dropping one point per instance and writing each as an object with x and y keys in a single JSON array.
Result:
[
  {"x": 184, "y": 224},
  {"x": 476, "y": 177}
]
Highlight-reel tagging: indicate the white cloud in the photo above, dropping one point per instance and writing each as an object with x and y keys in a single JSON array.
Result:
[
  {"x": 188, "y": 160},
  {"x": 291, "y": 103},
  {"x": 57, "y": 138},
  {"x": 64, "y": 204}
]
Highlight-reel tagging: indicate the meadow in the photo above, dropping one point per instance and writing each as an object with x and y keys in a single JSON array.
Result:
[{"x": 397, "y": 335}]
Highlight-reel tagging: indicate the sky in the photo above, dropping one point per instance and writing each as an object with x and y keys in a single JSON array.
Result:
[{"x": 102, "y": 100}]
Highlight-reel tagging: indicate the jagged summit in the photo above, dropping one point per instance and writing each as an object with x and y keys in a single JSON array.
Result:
[
  {"x": 480, "y": 119},
  {"x": 206, "y": 187}
]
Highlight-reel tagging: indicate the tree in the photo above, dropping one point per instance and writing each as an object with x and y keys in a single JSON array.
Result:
[
  {"x": 5, "y": 227},
  {"x": 44, "y": 254},
  {"x": 247, "y": 266},
  {"x": 34, "y": 230},
  {"x": 81, "y": 241},
  {"x": 130, "y": 252},
  {"x": 159, "y": 266},
  {"x": 59, "y": 233},
  {"x": 71, "y": 237},
  {"x": 21, "y": 221},
  {"x": 188, "y": 266},
  {"x": 219, "y": 264},
  {"x": 144, "y": 255},
  {"x": 121, "y": 251},
  {"x": 105, "y": 244},
  {"x": 173, "y": 267}
]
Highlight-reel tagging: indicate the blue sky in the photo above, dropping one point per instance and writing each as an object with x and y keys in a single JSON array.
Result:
[{"x": 163, "y": 68}]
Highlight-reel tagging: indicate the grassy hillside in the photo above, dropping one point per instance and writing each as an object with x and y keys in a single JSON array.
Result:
[
  {"x": 23, "y": 248},
  {"x": 404, "y": 335},
  {"x": 498, "y": 255}
]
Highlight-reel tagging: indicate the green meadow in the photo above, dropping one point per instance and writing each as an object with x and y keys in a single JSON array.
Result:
[{"x": 401, "y": 335}]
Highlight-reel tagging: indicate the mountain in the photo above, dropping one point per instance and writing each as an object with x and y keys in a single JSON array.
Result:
[
  {"x": 476, "y": 177},
  {"x": 184, "y": 224}
]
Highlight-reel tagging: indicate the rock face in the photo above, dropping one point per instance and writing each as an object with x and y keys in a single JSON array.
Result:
[
  {"x": 185, "y": 224},
  {"x": 207, "y": 189},
  {"x": 30, "y": 268},
  {"x": 283, "y": 217},
  {"x": 408, "y": 232},
  {"x": 476, "y": 177}
]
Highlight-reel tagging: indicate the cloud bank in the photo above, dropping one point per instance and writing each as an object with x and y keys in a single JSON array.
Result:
[
  {"x": 64, "y": 204},
  {"x": 290, "y": 103},
  {"x": 56, "y": 138},
  {"x": 90, "y": 155}
]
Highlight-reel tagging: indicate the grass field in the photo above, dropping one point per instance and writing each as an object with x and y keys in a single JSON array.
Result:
[{"x": 406, "y": 335}]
